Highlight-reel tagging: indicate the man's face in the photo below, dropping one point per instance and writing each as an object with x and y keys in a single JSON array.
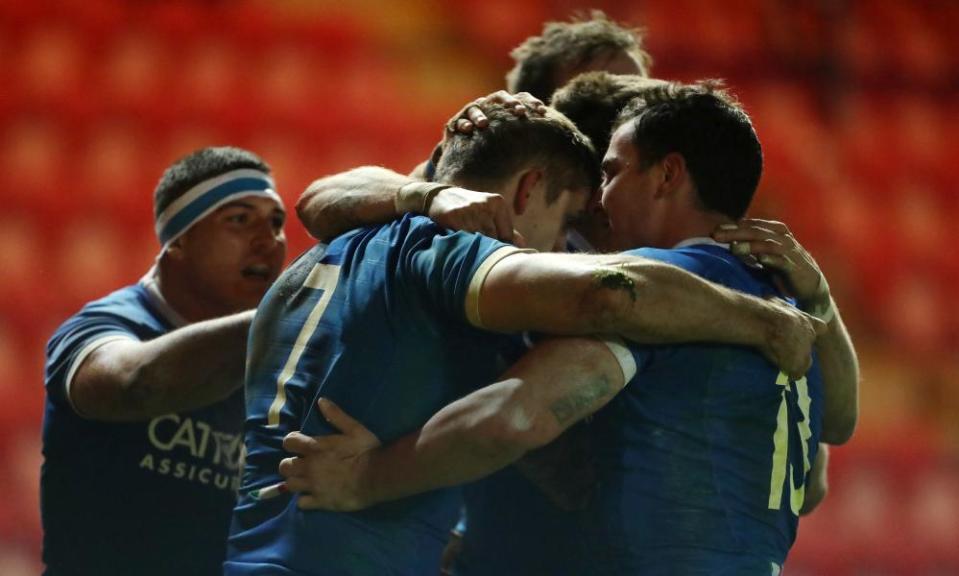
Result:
[
  {"x": 543, "y": 225},
  {"x": 629, "y": 192},
  {"x": 612, "y": 61},
  {"x": 235, "y": 253}
]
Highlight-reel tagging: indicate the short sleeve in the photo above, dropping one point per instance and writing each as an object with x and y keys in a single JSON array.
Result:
[
  {"x": 449, "y": 267},
  {"x": 72, "y": 343}
]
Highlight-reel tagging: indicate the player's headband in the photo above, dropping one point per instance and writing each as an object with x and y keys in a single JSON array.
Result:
[{"x": 209, "y": 195}]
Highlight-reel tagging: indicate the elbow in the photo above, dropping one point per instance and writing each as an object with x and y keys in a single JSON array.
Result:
[
  {"x": 310, "y": 209},
  {"x": 839, "y": 432},
  {"x": 314, "y": 189},
  {"x": 815, "y": 494},
  {"x": 839, "y": 426}
]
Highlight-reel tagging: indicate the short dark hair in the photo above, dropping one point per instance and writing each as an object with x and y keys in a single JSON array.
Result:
[
  {"x": 594, "y": 100},
  {"x": 539, "y": 58},
  {"x": 484, "y": 158},
  {"x": 706, "y": 126},
  {"x": 198, "y": 166}
]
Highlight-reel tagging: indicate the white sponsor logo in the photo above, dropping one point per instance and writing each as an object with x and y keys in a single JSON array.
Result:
[
  {"x": 221, "y": 453},
  {"x": 192, "y": 473}
]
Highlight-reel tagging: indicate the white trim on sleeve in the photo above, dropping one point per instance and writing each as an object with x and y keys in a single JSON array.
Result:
[
  {"x": 479, "y": 278},
  {"x": 78, "y": 361},
  {"x": 623, "y": 356}
]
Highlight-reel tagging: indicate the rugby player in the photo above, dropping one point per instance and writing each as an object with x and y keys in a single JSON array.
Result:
[
  {"x": 142, "y": 439},
  {"x": 385, "y": 322}
]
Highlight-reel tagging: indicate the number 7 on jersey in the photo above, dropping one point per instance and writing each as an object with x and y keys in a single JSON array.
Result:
[{"x": 323, "y": 279}]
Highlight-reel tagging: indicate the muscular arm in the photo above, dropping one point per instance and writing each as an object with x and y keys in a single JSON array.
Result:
[
  {"x": 774, "y": 245},
  {"x": 643, "y": 300},
  {"x": 840, "y": 374},
  {"x": 817, "y": 486},
  {"x": 371, "y": 195},
  {"x": 126, "y": 380},
  {"x": 550, "y": 388},
  {"x": 363, "y": 196}
]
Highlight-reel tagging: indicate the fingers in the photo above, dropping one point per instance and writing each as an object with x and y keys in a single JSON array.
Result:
[
  {"x": 779, "y": 262},
  {"x": 292, "y": 467},
  {"x": 518, "y": 240},
  {"x": 297, "y": 443},
  {"x": 487, "y": 227},
  {"x": 522, "y": 104},
  {"x": 797, "y": 374},
  {"x": 347, "y": 424},
  {"x": 297, "y": 484},
  {"x": 338, "y": 418},
  {"x": 771, "y": 225},
  {"x": 818, "y": 325},
  {"x": 463, "y": 126},
  {"x": 532, "y": 103},
  {"x": 477, "y": 117},
  {"x": 753, "y": 235}
]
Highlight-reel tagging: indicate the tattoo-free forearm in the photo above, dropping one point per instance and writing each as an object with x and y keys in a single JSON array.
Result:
[
  {"x": 840, "y": 374},
  {"x": 186, "y": 369},
  {"x": 363, "y": 196}
]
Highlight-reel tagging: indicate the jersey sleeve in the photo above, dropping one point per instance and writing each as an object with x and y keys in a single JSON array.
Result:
[
  {"x": 449, "y": 267},
  {"x": 72, "y": 343}
]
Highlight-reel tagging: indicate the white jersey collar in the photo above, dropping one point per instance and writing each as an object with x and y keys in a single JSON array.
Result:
[
  {"x": 149, "y": 281},
  {"x": 697, "y": 240}
]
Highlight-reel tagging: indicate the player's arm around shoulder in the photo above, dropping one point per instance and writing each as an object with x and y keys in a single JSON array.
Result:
[
  {"x": 554, "y": 385},
  {"x": 774, "y": 245},
  {"x": 644, "y": 300},
  {"x": 129, "y": 380},
  {"x": 340, "y": 202},
  {"x": 372, "y": 195}
]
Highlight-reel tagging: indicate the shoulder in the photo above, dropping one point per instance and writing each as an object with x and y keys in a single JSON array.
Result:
[
  {"x": 127, "y": 310},
  {"x": 716, "y": 264}
]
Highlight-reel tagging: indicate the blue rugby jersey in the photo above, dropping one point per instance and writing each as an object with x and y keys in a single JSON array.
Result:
[
  {"x": 376, "y": 322},
  {"x": 510, "y": 526},
  {"x": 703, "y": 458},
  {"x": 146, "y": 498}
]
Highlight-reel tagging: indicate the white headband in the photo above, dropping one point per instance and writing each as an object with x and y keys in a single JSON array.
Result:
[{"x": 209, "y": 195}]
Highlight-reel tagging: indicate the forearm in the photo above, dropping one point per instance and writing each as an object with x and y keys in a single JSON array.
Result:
[
  {"x": 184, "y": 370},
  {"x": 643, "y": 300},
  {"x": 840, "y": 374},
  {"x": 450, "y": 449},
  {"x": 363, "y": 196},
  {"x": 672, "y": 306},
  {"x": 548, "y": 390}
]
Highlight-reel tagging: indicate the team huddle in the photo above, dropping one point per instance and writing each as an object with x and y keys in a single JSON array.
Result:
[{"x": 558, "y": 347}]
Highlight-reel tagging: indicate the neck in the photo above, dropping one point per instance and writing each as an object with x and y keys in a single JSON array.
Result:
[
  {"x": 693, "y": 224},
  {"x": 181, "y": 296}
]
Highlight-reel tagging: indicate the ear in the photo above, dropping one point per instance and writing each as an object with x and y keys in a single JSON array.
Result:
[
  {"x": 673, "y": 167},
  {"x": 175, "y": 249},
  {"x": 524, "y": 188}
]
